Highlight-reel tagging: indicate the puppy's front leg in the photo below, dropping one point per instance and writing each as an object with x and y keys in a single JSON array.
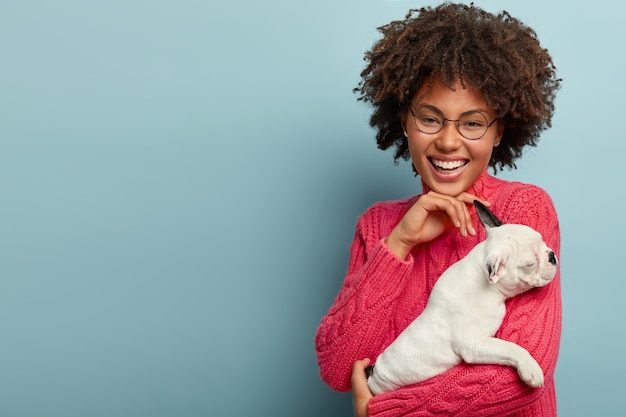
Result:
[{"x": 501, "y": 352}]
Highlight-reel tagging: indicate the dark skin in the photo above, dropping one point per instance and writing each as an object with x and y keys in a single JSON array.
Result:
[{"x": 361, "y": 394}]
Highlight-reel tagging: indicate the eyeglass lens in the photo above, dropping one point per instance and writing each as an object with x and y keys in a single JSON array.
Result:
[{"x": 471, "y": 125}]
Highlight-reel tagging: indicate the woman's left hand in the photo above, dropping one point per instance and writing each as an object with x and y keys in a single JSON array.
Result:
[{"x": 361, "y": 393}]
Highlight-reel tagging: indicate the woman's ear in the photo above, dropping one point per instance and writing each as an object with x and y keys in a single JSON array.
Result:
[
  {"x": 403, "y": 123},
  {"x": 499, "y": 135}
]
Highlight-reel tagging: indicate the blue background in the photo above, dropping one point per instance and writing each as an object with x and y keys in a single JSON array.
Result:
[{"x": 179, "y": 184}]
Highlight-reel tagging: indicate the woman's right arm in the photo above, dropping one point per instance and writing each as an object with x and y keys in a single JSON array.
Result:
[{"x": 357, "y": 325}]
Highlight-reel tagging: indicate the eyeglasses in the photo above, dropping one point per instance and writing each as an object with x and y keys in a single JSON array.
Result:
[{"x": 471, "y": 125}]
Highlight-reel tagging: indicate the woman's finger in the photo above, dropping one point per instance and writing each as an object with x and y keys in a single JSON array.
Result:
[
  {"x": 469, "y": 199},
  {"x": 360, "y": 391}
]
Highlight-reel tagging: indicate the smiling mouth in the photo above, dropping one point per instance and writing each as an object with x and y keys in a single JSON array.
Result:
[{"x": 448, "y": 167}]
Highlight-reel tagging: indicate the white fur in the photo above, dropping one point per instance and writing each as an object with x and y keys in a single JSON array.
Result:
[{"x": 466, "y": 308}]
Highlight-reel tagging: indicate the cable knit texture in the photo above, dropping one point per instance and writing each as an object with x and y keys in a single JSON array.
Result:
[{"x": 382, "y": 295}]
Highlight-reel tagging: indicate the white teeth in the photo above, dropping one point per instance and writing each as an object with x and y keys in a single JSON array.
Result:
[{"x": 448, "y": 164}]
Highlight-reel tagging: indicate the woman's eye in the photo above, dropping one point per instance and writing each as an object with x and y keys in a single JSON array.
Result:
[{"x": 429, "y": 121}]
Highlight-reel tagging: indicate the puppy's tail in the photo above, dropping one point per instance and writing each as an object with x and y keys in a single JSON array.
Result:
[{"x": 369, "y": 371}]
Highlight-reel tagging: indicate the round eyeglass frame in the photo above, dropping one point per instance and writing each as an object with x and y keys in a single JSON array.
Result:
[{"x": 457, "y": 122}]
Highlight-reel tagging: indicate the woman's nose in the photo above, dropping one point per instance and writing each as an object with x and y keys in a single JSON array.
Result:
[{"x": 449, "y": 137}]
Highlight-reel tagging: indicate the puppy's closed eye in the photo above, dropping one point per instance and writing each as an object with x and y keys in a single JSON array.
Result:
[{"x": 531, "y": 264}]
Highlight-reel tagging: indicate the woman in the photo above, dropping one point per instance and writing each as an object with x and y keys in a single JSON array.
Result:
[{"x": 457, "y": 90}]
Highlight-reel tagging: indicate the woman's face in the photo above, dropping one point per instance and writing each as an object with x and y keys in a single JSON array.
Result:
[{"x": 448, "y": 162}]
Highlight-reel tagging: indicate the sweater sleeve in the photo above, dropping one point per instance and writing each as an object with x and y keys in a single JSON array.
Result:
[
  {"x": 355, "y": 326},
  {"x": 533, "y": 320}
]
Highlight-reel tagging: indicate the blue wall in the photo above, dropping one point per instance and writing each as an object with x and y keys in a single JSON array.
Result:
[{"x": 179, "y": 183}]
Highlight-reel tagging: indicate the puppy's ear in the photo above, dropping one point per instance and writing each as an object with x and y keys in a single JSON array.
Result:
[
  {"x": 487, "y": 218},
  {"x": 496, "y": 263}
]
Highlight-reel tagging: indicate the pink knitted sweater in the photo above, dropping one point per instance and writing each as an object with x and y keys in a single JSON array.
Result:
[{"x": 382, "y": 294}]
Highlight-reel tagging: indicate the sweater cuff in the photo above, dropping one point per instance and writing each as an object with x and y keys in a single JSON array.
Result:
[
  {"x": 386, "y": 269},
  {"x": 383, "y": 244}
]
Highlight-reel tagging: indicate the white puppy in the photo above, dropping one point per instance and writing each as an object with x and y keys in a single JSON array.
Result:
[{"x": 466, "y": 308}]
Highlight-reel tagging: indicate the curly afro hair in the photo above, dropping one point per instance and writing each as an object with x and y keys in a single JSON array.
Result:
[{"x": 496, "y": 54}]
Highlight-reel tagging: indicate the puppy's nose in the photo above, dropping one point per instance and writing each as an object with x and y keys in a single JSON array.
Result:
[{"x": 552, "y": 258}]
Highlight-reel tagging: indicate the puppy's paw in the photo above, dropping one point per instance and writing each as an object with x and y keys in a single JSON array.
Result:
[{"x": 531, "y": 373}]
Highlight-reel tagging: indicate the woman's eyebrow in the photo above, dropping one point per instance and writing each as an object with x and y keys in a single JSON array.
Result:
[{"x": 473, "y": 110}]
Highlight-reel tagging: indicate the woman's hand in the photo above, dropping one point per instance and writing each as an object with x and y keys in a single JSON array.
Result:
[
  {"x": 360, "y": 391},
  {"x": 429, "y": 217}
]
